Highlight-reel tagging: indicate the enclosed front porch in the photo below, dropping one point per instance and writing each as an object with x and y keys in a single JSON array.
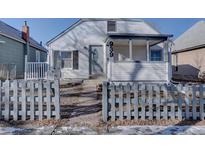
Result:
[{"x": 144, "y": 58}]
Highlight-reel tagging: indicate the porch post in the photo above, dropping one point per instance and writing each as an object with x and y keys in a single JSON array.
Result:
[
  {"x": 51, "y": 58},
  {"x": 167, "y": 59},
  {"x": 130, "y": 49},
  {"x": 148, "y": 51},
  {"x": 25, "y": 67},
  {"x": 105, "y": 58}
]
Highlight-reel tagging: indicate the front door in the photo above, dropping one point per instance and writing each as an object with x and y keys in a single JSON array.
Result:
[{"x": 96, "y": 56}]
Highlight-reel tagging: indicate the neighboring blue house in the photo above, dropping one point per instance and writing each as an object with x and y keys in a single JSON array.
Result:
[{"x": 15, "y": 45}]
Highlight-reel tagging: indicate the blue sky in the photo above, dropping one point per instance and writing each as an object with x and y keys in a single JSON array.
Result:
[{"x": 43, "y": 29}]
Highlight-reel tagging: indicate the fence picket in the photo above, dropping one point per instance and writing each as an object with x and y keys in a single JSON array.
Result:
[
  {"x": 164, "y": 89},
  {"x": 201, "y": 100},
  {"x": 112, "y": 87},
  {"x": 194, "y": 102},
  {"x": 48, "y": 99},
  {"x": 179, "y": 102},
  {"x": 157, "y": 92},
  {"x": 1, "y": 87},
  {"x": 128, "y": 101},
  {"x": 105, "y": 101},
  {"x": 7, "y": 106},
  {"x": 187, "y": 102},
  {"x": 121, "y": 102},
  {"x": 136, "y": 106},
  {"x": 23, "y": 106},
  {"x": 40, "y": 100},
  {"x": 172, "y": 102},
  {"x": 15, "y": 102},
  {"x": 150, "y": 103},
  {"x": 143, "y": 101},
  {"x": 57, "y": 99},
  {"x": 32, "y": 101}
]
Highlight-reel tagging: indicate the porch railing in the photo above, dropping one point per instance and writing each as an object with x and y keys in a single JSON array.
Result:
[{"x": 36, "y": 70}]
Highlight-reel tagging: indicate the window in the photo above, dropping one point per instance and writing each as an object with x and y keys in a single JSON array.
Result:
[
  {"x": 38, "y": 56},
  {"x": 69, "y": 59},
  {"x": 111, "y": 26},
  {"x": 66, "y": 59},
  {"x": 156, "y": 55}
]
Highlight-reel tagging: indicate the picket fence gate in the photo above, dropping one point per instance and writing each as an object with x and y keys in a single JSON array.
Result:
[
  {"x": 29, "y": 100},
  {"x": 152, "y": 101}
]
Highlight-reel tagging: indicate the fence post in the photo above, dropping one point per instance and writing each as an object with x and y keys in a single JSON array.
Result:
[
  {"x": 187, "y": 102},
  {"x": 173, "y": 101},
  {"x": 23, "y": 105},
  {"x": 1, "y": 86},
  {"x": 121, "y": 101},
  {"x": 105, "y": 101},
  {"x": 157, "y": 91},
  {"x": 136, "y": 101},
  {"x": 57, "y": 99},
  {"x": 15, "y": 102},
  {"x": 201, "y": 102},
  {"x": 40, "y": 100},
  {"x": 32, "y": 101},
  {"x": 194, "y": 102},
  {"x": 150, "y": 101},
  {"x": 7, "y": 106},
  {"x": 48, "y": 99},
  {"x": 128, "y": 101},
  {"x": 179, "y": 102},
  {"x": 113, "y": 89}
]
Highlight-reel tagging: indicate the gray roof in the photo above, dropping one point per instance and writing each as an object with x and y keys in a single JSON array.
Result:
[
  {"x": 193, "y": 38},
  {"x": 15, "y": 34}
]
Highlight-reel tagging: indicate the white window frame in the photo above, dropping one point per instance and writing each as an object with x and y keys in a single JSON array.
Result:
[
  {"x": 71, "y": 59},
  {"x": 150, "y": 59}
]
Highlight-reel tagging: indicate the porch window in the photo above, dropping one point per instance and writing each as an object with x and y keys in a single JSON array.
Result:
[
  {"x": 69, "y": 59},
  {"x": 111, "y": 26},
  {"x": 38, "y": 56},
  {"x": 155, "y": 55}
]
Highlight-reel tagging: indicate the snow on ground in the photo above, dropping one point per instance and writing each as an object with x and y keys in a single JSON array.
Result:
[
  {"x": 158, "y": 130},
  {"x": 119, "y": 130}
]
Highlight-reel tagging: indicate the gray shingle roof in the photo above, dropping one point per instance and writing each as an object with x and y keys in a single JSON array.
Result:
[
  {"x": 193, "y": 37},
  {"x": 13, "y": 33}
]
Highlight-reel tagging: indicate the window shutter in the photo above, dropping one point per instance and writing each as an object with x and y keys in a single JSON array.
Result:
[{"x": 75, "y": 60}]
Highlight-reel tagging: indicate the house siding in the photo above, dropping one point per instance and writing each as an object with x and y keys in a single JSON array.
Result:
[
  {"x": 144, "y": 71},
  {"x": 189, "y": 63},
  {"x": 32, "y": 55},
  {"x": 92, "y": 33},
  {"x": 12, "y": 52}
]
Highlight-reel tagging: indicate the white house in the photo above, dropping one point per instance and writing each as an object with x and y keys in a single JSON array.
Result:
[{"x": 119, "y": 49}]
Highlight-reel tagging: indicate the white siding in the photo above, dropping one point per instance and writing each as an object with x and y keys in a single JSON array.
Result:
[{"x": 144, "y": 71}]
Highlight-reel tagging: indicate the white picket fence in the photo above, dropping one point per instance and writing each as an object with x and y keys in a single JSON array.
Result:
[
  {"x": 29, "y": 100},
  {"x": 152, "y": 101},
  {"x": 36, "y": 70}
]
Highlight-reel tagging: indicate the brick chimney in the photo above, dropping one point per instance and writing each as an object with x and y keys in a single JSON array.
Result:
[{"x": 25, "y": 32}]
